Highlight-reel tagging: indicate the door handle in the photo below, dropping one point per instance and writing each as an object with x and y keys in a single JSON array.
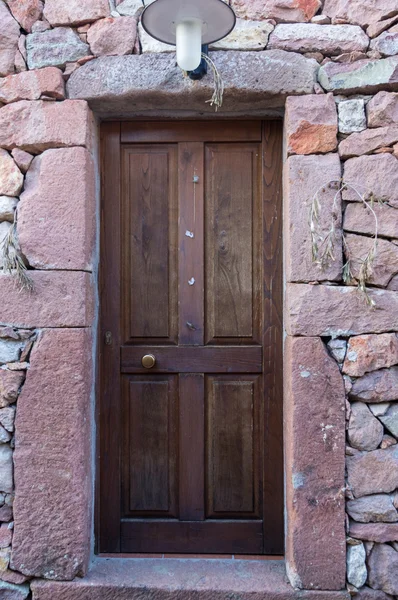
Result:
[{"x": 148, "y": 361}]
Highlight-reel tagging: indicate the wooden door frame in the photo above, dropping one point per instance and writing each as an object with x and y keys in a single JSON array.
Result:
[{"x": 108, "y": 477}]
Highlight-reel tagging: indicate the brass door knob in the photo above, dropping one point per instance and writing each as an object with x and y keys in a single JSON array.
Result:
[{"x": 148, "y": 361}]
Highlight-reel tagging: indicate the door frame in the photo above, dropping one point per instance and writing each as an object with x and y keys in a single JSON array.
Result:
[{"x": 108, "y": 413}]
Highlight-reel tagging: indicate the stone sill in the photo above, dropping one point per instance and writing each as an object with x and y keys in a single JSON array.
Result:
[{"x": 180, "y": 579}]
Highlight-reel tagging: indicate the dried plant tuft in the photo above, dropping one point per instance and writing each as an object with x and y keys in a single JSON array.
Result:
[{"x": 13, "y": 262}]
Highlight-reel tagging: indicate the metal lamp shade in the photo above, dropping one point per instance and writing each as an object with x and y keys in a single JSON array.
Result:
[{"x": 160, "y": 19}]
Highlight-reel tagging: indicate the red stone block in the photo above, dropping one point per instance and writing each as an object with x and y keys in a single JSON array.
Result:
[{"x": 311, "y": 124}]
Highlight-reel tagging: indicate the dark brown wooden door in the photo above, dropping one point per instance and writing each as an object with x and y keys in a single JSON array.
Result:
[{"x": 190, "y": 450}]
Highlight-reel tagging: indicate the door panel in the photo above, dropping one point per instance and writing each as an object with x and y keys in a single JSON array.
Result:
[{"x": 190, "y": 451}]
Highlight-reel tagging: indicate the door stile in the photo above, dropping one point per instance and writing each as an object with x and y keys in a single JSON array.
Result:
[
  {"x": 273, "y": 517},
  {"x": 109, "y": 342}
]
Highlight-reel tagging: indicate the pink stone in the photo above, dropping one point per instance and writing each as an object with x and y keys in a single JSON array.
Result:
[
  {"x": 367, "y": 141},
  {"x": 360, "y": 219},
  {"x": 14, "y": 592},
  {"x": 53, "y": 458},
  {"x": 370, "y": 352},
  {"x": 30, "y": 85},
  {"x": 58, "y": 234},
  {"x": 376, "y": 508},
  {"x": 365, "y": 432},
  {"x": 309, "y": 37},
  {"x": 367, "y": 593},
  {"x": 360, "y": 12},
  {"x": 374, "y": 177},
  {"x": 376, "y": 29},
  {"x": 338, "y": 311},
  {"x": 10, "y": 384},
  {"x": 22, "y": 159},
  {"x": 385, "y": 263},
  {"x": 314, "y": 454},
  {"x": 59, "y": 299},
  {"x": 11, "y": 178},
  {"x": 383, "y": 569},
  {"x": 303, "y": 177},
  {"x": 311, "y": 124},
  {"x": 13, "y": 577},
  {"x": 377, "y": 386},
  {"x": 373, "y": 472},
  {"x": 5, "y": 513},
  {"x": 9, "y": 34},
  {"x": 38, "y": 125},
  {"x": 386, "y": 43},
  {"x": 26, "y": 12},
  {"x": 112, "y": 36},
  {"x": 5, "y": 535},
  {"x": 280, "y": 10},
  {"x": 75, "y": 12},
  {"x": 375, "y": 532},
  {"x": 383, "y": 109}
]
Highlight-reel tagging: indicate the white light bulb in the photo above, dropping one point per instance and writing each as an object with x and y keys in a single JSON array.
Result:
[{"x": 189, "y": 44}]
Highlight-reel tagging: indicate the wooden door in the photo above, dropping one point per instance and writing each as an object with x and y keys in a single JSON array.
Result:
[{"x": 190, "y": 450}]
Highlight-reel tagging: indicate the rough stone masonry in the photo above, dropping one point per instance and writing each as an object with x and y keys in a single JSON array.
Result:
[{"x": 333, "y": 66}]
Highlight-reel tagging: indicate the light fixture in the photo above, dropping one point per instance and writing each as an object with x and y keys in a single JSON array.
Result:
[{"x": 188, "y": 24}]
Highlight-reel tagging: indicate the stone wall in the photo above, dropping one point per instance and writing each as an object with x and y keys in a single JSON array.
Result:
[{"x": 334, "y": 65}]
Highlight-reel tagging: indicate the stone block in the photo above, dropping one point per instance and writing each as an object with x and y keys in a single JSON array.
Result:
[
  {"x": 373, "y": 472},
  {"x": 7, "y": 417},
  {"x": 10, "y": 351},
  {"x": 59, "y": 299},
  {"x": 26, "y": 12},
  {"x": 149, "y": 44},
  {"x": 54, "y": 47},
  {"x": 295, "y": 11},
  {"x": 246, "y": 35},
  {"x": 137, "y": 84},
  {"x": 362, "y": 76},
  {"x": 383, "y": 569},
  {"x": 369, "y": 353},
  {"x": 335, "y": 311},
  {"x": 39, "y": 125},
  {"x": 311, "y": 125},
  {"x": 130, "y": 8},
  {"x": 7, "y": 208},
  {"x": 383, "y": 109},
  {"x": 352, "y": 116},
  {"x": 377, "y": 386},
  {"x": 59, "y": 234},
  {"x": 368, "y": 141},
  {"x": 365, "y": 431},
  {"x": 376, "y": 508},
  {"x": 9, "y": 35},
  {"x": 309, "y": 37},
  {"x": 53, "y": 458},
  {"x": 377, "y": 28},
  {"x": 10, "y": 384},
  {"x": 362, "y": 12},
  {"x": 384, "y": 265},
  {"x": 314, "y": 401},
  {"x": 372, "y": 177},
  {"x": 386, "y": 43},
  {"x": 112, "y": 36},
  {"x": 75, "y": 12},
  {"x": 11, "y": 178},
  {"x": 359, "y": 218},
  {"x": 390, "y": 420},
  {"x": 10, "y": 591},
  {"x": 22, "y": 159},
  {"x": 303, "y": 177},
  {"x": 31, "y": 85}
]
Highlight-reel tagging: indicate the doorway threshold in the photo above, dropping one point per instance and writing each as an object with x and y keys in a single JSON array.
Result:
[{"x": 180, "y": 579}]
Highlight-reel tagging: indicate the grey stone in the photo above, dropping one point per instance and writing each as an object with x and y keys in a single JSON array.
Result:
[
  {"x": 379, "y": 409},
  {"x": 7, "y": 417},
  {"x": 356, "y": 567},
  {"x": 378, "y": 508},
  {"x": 386, "y": 43},
  {"x": 338, "y": 349},
  {"x": 150, "y": 44},
  {"x": 141, "y": 84},
  {"x": 11, "y": 591},
  {"x": 310, "y": 37},
  {"x": 390, "y": 420},
  {"x": 7, "y": 208},
  {"x": 130, "y": 8},
  {"x": 377, "y": 386},
  {"x": 10, "y": 350},
  {"x": 365, "y": 432},
  {"x": 5, "y": 436},
  {"x": 246, "y": 35},
  {"x": 54, "y": 47},
  {"x": 362, "y": 76},
  {"x": 6, "y": 469},
  {"x": 352, "y": 116}
]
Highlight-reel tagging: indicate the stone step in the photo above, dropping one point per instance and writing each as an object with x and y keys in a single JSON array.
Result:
[{"x": 180, "y": 579}]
